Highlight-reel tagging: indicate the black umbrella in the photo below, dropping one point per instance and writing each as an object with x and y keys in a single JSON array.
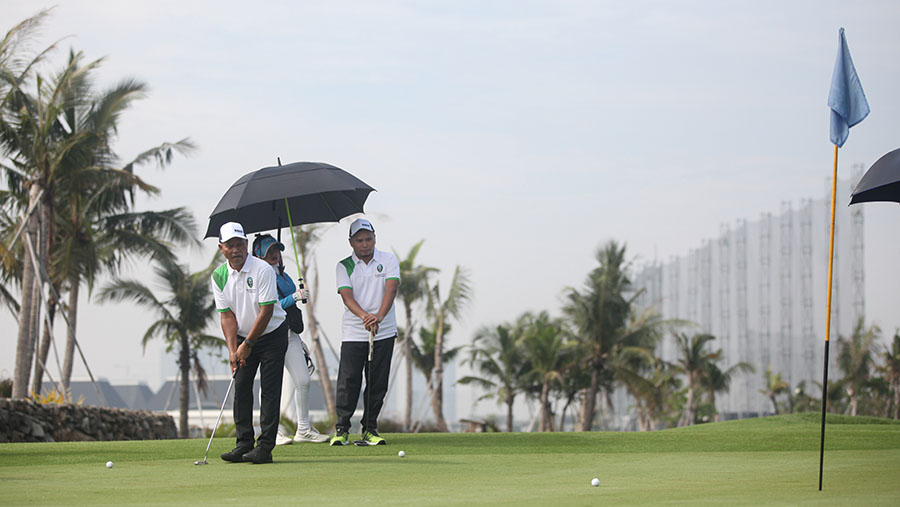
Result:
[
  {"x": 881, "y": 182},
  {"x": 292, "y": 194}
]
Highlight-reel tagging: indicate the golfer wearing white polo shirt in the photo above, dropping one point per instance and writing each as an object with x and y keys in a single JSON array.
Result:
[
  {"x": 257, "y": 337},
  {"x": 367, "y": 282}
]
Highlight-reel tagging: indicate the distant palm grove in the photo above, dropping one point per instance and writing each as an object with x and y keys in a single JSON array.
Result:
[{"x": 68, "y": 221}]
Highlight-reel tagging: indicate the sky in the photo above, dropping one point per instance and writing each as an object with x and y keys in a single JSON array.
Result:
[{"x": 514, "y": 137}]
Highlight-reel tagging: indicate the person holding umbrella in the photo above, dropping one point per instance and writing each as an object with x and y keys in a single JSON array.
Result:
[
  {"x": 256, "y": 333},
  {"x": 367, "y": 282},
  {"x": 295, "y": 386}
]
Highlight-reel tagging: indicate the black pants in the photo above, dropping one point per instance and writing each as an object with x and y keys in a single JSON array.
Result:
[
  {"x": 267, "y": 355},
  {"x": 354, "y": 359}
]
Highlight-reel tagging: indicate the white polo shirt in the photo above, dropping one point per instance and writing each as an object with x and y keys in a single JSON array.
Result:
[
  {"x": 244, "y": 291},
  {"x": 367, "y": 282}
]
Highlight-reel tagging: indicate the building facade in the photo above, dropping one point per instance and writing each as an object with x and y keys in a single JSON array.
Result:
[{"x": 760, "y": 288}]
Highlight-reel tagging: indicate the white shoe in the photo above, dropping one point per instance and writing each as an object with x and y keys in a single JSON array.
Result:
[
  {"x": 281, "y": 439},
  {"x": 310, "y": 435}
]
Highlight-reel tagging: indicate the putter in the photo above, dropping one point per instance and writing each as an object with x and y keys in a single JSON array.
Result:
[
  {"x": 362, "y": 442},
  {"x": 204, "y": 462}
]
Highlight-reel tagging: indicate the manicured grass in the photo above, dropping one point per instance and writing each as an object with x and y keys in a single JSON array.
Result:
[{"x": 756, "y": 461}]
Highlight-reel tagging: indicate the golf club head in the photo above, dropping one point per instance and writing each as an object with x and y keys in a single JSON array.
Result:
[
  {"x": 360, "y": 443},
  {"x": 201, "y": 462}
]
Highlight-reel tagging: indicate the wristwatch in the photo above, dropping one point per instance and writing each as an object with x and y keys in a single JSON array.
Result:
[{"x": 249, "y": 344}]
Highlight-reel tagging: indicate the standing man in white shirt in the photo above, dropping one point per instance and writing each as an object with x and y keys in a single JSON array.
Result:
[
  {"x": 367, "y": 281},
  {"x": 256, "y": 334}
]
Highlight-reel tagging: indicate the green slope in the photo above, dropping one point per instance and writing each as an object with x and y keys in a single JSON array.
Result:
[{"x": 755, "y": 461}]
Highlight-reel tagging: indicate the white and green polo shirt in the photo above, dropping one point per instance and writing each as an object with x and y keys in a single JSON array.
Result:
[
  {"x": 367, "y": 282},
  {"x": 244, "y": 291}
]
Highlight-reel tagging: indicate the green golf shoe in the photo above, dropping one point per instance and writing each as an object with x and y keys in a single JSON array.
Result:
[
  {"x": 341, "y": 438},
  {"x": 372, "y": 438}
]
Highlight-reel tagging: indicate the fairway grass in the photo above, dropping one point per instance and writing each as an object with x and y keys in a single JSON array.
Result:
[{"x": 771, "y": 461}]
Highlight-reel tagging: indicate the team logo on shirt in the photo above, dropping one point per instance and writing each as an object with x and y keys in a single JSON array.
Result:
[
  {"x": 250, "y": 282},
  {"x": 380, "y": 268}
]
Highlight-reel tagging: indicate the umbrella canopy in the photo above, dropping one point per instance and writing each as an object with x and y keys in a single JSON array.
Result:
[
  {"x": 881, "y": 182},
  {"x": 315, "y": 192}
]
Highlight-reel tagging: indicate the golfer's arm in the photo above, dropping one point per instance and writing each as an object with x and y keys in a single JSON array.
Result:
[
  {"x": 262, "y": 320},
  {"x": 390, "y": 292},
  {"x": 229, "y": 329},
  {"x": 351, "y": 304}
]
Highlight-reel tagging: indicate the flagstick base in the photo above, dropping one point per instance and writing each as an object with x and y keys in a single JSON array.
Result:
[{"x": 824, "y": 406}]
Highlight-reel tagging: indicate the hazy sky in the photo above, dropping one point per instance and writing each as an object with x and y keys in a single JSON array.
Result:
[{"x": 515, "y": 137}]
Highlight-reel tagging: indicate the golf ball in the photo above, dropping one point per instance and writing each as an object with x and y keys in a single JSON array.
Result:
[
  {"x": 595, "y": 482},
  {"x": 401, "y": 454},
  {"x": 109, "y": 464}
]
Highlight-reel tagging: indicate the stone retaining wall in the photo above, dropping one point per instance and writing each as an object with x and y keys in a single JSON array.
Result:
[{"x": 26, "y": 421}]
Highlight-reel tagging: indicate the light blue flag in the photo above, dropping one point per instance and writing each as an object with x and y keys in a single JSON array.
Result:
[{"x": 846, "y": 99}]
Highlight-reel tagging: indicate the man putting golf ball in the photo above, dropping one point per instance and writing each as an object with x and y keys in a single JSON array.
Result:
[{"x": 367, "y": 282}]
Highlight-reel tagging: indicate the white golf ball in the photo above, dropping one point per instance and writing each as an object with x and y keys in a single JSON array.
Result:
[
  {"x": 595, "y": 482},
  {"x": 109, "y": 464},
  {"x": 401, "y": 454}
]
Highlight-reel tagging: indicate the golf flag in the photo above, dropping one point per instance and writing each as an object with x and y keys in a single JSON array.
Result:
[{"x": 846, "y": 99}]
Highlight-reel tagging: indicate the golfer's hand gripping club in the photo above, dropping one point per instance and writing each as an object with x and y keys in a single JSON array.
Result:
[{"x": 302, "y": 295}]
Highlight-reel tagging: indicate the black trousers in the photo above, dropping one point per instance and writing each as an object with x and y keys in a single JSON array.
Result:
[
  {"x": 354, "y": 359},
  {"x": 267, "y": 355}
]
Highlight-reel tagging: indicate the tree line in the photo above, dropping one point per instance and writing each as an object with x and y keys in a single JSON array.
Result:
[{"x": 604, "y": 342}]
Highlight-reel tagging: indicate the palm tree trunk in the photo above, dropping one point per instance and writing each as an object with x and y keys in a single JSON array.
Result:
[
  {"x": 896, "y": 389},
  {"x": 70, "y": 334},
  {"x": 774, "y": 403},
  {"x": 407, "y": 358},
  {"x": 546, "y": 416},
  {"x": 45, "y": 347},
  {"x": 712, "y": 402},
  {"x": 184, "y": 395},
  {"x": 509, "y": 413},
  {"x": 590, "y": 398},
  {"x": 437, "y": 401},
  {"x": 562, "y": 416},
  {"x": 25, "y": 337},
  {"x": 321, "y": 365},
  {"x": 854, "y": 401},
  {"x": 687, "y": 414}
]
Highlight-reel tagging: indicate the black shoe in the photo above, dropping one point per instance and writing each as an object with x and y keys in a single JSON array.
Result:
[
  {"x": 236, "y": 455},
  {"x": 259, "y": 456}
]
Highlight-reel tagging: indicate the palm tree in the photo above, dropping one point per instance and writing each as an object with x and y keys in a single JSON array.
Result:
[
  {"x": 497, "y": 356},
  {"x": 891, "y": 371},
  {"x": 441, "y": 312},
  {"x": 423, "y": 358},
  {"x": 693, "y": 362},
  {"x": 775, "y": 386},
  {"x": 571, "y": 385},
  {"x": 599, "y": 314},
  {"x": 306, "y": 238},
  {"x": 653, "y": 387},
  {"x": 716, "y": 380},
  {"x": 183, "y": 317},
  {"x": 546, "y": 352},
  {"x": 414, "y": 288},
  {"x": 57, "y": 138},
  {"x": 98, "y": 240},
  {"x": 855, "y": 359}
]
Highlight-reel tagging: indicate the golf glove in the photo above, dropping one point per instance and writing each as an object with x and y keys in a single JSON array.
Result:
[{"x": 301, "y": 294}]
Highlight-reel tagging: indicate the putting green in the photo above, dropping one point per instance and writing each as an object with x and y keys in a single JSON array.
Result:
[{"x": 757, "y": 461}]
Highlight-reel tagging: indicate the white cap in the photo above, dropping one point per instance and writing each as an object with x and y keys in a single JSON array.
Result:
[
  {"x": 361, "y": 224},
  {"x": 231, "y": 230}
]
